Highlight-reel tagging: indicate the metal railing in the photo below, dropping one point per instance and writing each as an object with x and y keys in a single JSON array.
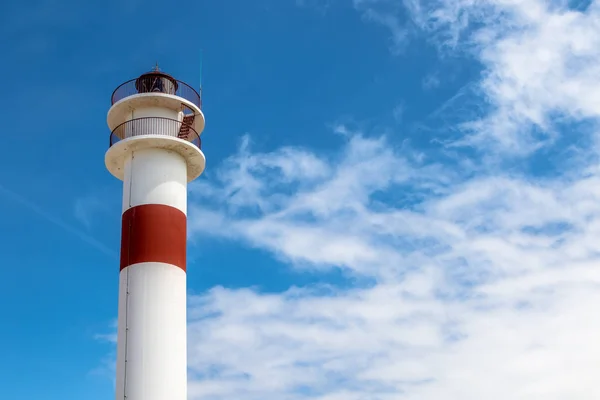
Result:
[
  {"x": 155, "y": 126},
  {"x": 176, "y": 88}
]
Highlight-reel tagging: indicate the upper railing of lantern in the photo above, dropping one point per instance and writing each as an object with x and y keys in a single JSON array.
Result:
[{"x": 148, "y": 84}]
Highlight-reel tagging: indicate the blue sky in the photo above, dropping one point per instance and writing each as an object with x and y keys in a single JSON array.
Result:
[{"x": 401, "y": 197}]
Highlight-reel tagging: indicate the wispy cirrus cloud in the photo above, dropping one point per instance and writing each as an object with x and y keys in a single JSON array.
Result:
[
  {"x": 389, "y": 15},
  {"x": 56, "y": 220},
  {"x": 539, "y": 64},
  {"x": 87, "y": 208}
]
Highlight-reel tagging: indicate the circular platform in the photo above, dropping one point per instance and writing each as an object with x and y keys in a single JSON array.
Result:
[
  {"x": 121, "y": 111},
  {"x": 117, "y": 154}
]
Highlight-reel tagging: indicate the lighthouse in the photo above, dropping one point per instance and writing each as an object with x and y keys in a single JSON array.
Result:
[{"x": 155, "y": 149}]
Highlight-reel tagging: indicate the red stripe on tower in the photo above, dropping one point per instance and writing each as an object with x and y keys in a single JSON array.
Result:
[{"x": 153, "y": 233}]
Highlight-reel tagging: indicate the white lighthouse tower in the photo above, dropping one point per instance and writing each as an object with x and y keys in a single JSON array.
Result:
[{"x": 156, "y": 122}]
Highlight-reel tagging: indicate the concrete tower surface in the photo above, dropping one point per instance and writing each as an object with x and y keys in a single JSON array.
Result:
[{"x": 156, "y": 122}]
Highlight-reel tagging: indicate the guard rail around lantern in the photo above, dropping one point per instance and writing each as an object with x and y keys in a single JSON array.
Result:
[
  {"x": 179, "y": 88},
  {"x": 155, "y": 126}
]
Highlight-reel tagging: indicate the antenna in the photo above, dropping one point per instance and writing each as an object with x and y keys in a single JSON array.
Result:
[{"x": 200, "y": 70}]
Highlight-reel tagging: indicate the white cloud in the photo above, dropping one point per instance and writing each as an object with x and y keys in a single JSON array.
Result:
[
  {"x": 545, "y": 66},
  {"x": 321, "y": 214},
  {"x": 540, "y": 62},
  {"x": 480, "y": 291}
]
